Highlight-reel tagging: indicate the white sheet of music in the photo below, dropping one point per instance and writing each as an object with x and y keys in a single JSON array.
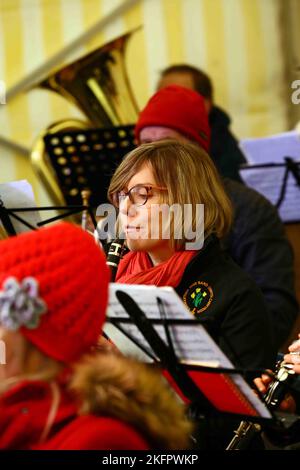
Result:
[
  {"x": 18, "y": 194},
  {"x": 268, "y": 181},
  {"x": 272, "y": 149},
  {"x": 192, "y": 344}
]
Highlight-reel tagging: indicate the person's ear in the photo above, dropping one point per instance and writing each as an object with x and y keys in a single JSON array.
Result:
[{"x": 208, "y": 104}]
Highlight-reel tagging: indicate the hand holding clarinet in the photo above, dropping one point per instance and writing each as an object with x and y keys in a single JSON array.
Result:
[
  {"x": 292, "y": 360},
  {"x": 274, "y": 388}
]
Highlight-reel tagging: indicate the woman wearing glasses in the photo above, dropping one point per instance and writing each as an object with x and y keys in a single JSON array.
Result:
[{"x": 159, "y": 189}]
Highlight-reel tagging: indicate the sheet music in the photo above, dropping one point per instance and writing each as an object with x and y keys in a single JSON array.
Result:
[
  {"x": 191, "y": 342},
  {"x": 19, "y": 194},
  {"x": 268, "y": 181},
  {"x": 194, "y": 342},
  {"x": 272, "y": 149}
]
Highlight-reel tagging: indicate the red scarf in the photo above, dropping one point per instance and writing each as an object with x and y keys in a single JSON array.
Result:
[
  {"x": 24, "y": 410},
  {"x": 136, "y": 268}
]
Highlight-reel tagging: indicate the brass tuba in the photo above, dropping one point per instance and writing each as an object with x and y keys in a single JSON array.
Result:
[{"x": 98, "y": 84}]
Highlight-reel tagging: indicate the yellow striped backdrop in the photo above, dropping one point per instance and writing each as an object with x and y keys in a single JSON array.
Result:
[{"x": 236, "y": 41}]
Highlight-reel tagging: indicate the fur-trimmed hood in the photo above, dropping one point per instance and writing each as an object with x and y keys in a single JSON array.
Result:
[{"x": 111, "y": 385}]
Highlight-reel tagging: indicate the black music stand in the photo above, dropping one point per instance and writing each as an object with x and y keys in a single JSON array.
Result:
[
  {"x": 6, "y": 215},
  {"x": 203, "y": 407},
  {"x": 163, "y": 352},
  {"x": 291, "y": 167},
  {"x": 5, "y": 219},
  {"x": 87, "y": 159},
  {"x": 284, "y": 184}
]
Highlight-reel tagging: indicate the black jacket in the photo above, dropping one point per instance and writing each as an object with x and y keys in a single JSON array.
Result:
[
  {"x": 224, "y": 148},
  {"x": 257, "y": 243},
  {"x": 229, "y": 304}
]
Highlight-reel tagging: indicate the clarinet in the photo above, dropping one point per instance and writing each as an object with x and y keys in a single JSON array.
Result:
[
  {"x": 85, "y": 195},
  {"x": 115, "y": 253},
  {"x": 243, "y": 435}
]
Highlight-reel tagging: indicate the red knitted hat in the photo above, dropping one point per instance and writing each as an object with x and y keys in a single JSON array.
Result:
[
  {"x": 178, "y": 108},
  {"x": 54, "y": 287}
]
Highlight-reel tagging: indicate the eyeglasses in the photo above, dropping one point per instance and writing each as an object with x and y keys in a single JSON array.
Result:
[{"x": 138, "y": 195}]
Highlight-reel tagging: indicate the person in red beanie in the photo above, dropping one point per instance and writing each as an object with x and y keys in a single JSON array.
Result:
[
  {"x": 257, "y": 241},
  {"x": 174, "y": 112},
  {"x": 56, "y": 390},
  {"x": 224, "y": 149}
]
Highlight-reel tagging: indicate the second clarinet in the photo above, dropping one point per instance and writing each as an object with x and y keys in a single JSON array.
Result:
[{"x": 284, "y": 375}]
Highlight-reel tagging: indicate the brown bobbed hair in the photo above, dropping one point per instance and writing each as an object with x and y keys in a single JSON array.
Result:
[{"x": 190, "y": 176}]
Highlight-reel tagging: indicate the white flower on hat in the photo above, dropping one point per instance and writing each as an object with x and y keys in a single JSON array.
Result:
[{"x": 20, "y": 304}]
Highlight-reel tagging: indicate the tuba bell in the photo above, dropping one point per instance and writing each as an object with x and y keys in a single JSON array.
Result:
[{"x": 98, "y": 85}]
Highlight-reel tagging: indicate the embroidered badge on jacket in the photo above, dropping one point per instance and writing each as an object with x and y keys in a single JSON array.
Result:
[{"x": 198, "y": 297}]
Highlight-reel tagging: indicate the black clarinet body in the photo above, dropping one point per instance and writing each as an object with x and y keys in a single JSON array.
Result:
[
  {"x": 244, "y": 434},
  {"x": 115, "y": 253}
]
